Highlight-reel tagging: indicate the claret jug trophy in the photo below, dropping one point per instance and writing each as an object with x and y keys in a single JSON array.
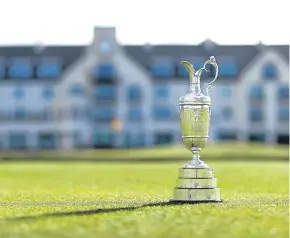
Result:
[{"x": 196, "y": 181}]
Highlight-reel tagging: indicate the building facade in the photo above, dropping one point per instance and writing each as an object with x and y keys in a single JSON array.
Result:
[{"x": 110, "y": 95}]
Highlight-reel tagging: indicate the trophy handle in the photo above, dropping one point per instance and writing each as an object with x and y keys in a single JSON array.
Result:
[{"x": 211, "y": 61}]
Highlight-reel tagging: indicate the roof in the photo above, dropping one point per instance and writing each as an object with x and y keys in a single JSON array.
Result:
[
  {"x": 68, "y": 54},
  {"x": 243, "y": 54}
]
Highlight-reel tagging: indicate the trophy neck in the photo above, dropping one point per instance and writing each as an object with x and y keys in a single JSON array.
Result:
[{"x": 194, "y": 86}]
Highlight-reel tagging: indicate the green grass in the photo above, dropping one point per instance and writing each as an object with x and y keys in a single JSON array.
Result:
[
  {"x": 229, "y": 151},
  {"x": 85, "y": 200}
]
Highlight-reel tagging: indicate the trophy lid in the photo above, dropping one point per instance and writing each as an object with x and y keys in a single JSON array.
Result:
[{"x": 195, "y": 96}]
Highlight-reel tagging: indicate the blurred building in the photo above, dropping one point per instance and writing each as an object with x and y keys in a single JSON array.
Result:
[{"x": 109, "y": 95}]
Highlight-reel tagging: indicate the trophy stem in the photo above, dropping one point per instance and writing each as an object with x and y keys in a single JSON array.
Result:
[{"x": 196, "y": 162}]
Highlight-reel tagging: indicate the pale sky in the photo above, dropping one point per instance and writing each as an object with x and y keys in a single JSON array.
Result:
[{"x": 145, "y": 21}]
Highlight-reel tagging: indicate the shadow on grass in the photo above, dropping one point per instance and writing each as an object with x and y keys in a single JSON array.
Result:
[{"x": 97, "y": 211}]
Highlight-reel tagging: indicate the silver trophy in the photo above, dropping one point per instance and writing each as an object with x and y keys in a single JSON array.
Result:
[{"x": 196, "y": 181}]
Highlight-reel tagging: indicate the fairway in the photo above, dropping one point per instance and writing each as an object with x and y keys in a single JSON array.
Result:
[{"x": 49, "y": 199}]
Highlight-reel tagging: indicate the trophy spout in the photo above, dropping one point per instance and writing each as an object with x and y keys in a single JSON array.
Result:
[{"x": 189, "y": 68}]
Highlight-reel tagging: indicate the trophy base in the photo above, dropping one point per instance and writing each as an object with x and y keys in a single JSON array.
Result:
[
  {"x": 196, "y": 185},
  {"x": 172, "y": 201}
]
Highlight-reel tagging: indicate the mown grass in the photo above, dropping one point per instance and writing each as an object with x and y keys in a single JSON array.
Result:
[
  {"x": 227, "y": 151},
  {"x": 130, "y": 200}
]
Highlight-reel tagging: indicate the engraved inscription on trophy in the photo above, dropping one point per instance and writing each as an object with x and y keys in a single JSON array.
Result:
[{"x": 194, "y": 121}]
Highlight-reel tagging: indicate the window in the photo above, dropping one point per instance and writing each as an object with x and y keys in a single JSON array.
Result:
[
  {"x": 163, "y": 70},
  {"x": 134, "y": 140},
  {"x": 20, "y": 69},
  {"x": 106, "y": 93},
  {"x": 226, "y": 91},
  {"x": 256, "y": 115},
  {"x": 163, "y": 138},
  {"x": 162, "y": 113},
  {"x": 17, "y": 141},
  {"x": 104, "y": 71},
  {"x": 20, "y": 114},
  {"x": 256, "y": 93},
  {"x": 47, "y": 141},
  {"x": 103, "y": 140},
  {"x": 227, "y": 66},
  {"x": 78, "y": 113},
  {"x": 227, "y": 113},
  {"x": 2, "y": 68},
  {"x": 284, "y": 114},
  {"x": 226, "y": 135},
  {"x": 77, "y": 90},
  {"x": 283, "y": 93},
  {"x": 4, "y": 116},
  {"x": 269, "y": 71},
  {"x": 135, "y": 114},
  {"x": 283, "y": 139},
  {"x": 257, "y": 137},
  {"x": 47, "y": 114},
  {"x": 49, "y": 68},
  {"x": 76, "y": 138},
  {"x": 161, "y": 92},
  {"x": 134, "y": 93},
  {"x": 48, "y": 93},
  {"x": 105, "y": 114},
  {"x": 18, "y": 93}
]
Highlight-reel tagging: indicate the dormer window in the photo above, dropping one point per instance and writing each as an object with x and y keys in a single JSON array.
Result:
[
  {"x": 228, "y": 66},
  {"x": 49, "y": 68},
  {"x": 20, "y": 68},
  {"x": 163, "y": 69}
]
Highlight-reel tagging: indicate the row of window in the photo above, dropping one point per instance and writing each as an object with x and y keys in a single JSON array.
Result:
[
  {"x": 48, "y": 93},
  {"x": 51, "y": 140},
  {"x": 24, "y": 69},
  {"x": 135, "y": 114},
  {"x": 170, "y": 70},
  {"x": 44, "y": 140},
  {"x": 226, "y": 69},
  {"x": 80, "y": 113},
  {"x": 254, "y": 137},
  {"x": 257, "y": 92},
  {"x": 134, "y": 92},
  {"x": 48, "y": 69},
  {"x": 255, "y": 114},
  {"x": 21, "y": 114},
  {"x": 131, "y": 140}
]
